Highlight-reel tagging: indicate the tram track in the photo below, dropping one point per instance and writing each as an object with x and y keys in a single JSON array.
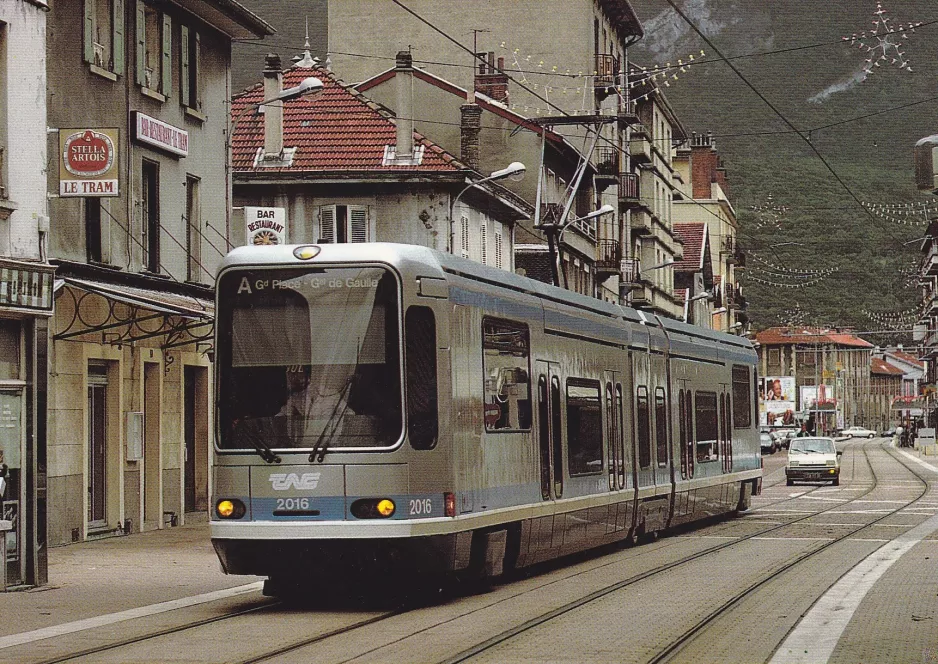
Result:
[
  {"x": 696, "y": 630},
  {"x": 607, "y": 590}
]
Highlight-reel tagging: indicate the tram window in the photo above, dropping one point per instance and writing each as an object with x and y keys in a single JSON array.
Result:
[
  {"x": 644, "y": 435},
  {"x": 705, "y": 418},
  {"x": 689, "y": 415},
  {"x": 682, "y": 430},
  {"x": 584, "y": 427},
  {"x": 422, "y": 413},
  {"x": 742, "y": 405},
  {"x": 661, "y": 427},
  {"x": 505, "y": 351}
]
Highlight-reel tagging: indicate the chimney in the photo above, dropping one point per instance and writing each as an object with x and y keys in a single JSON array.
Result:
[
  {"x": 470, "y": 126},
  {"x": 404, "y": 79},
  {"x": 492, "y": 81},
  {"x": 273, "y": 113},
  {"x": 703, "y": 164}
]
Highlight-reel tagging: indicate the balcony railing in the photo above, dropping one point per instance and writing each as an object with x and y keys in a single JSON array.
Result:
[
  {"x": 608, "y": 256},
  {"x": 630, "y": 270},
  {"x": 628, "y": 186},
  {"x": 607, "y": 161}
]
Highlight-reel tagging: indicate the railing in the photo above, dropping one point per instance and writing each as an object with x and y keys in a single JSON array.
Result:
[
  {"x": 608, "y": 256},
  {"x": 607, "y": 161},
  {"x": 628, "y": 186},
  {"x": 586, "y": 227},
  {"x": 631, "y": 270},
  {"x": 607, "y": 67}
]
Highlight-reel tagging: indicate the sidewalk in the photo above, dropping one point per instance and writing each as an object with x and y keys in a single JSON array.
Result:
[{"x": 110, "y": 575}]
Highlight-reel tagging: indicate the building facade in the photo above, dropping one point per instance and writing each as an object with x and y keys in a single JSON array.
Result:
[
  {"x": 26, "y": 284},
  {"x": 702, "y": 196},
  {"x": 138, "y": 115},
  {"x": 885, "y": 387},
  {"x": 374, "y": 180},
  {"x": 573, "y": 62},
  {"x": 823, "y": 372}
]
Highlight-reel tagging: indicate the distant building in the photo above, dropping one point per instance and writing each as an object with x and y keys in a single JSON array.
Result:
[
  {"x": 693, "y": 274},
  {"x": 828, "y": 371},
  {"x": 370, "y": 179},
  {"x": 885, "y": 387}
]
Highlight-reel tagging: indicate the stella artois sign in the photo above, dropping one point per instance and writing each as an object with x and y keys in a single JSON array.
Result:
[{"x": 89, "y": 162}]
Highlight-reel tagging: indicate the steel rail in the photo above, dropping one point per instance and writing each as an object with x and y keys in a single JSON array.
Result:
[
  {"x": 602, "y": 592},
  {"x": 679, "y": 643}
]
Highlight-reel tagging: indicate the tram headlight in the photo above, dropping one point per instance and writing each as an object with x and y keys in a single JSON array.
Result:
[
  {"x": 230, "y": 508},
  {"x": 373, "y": 508},
  {"x": 306, "y": 252}
]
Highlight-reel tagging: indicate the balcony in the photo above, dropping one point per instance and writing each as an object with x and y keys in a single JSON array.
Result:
[
  {"x": 629, "y": 194},
  {"x": 930, "y": 263},
  {"x": 642, "y": 222},
  {"x": 607, "y": 71},
  {"x": 607, "y": 167},
  {"x": 630, "y": 271},
  {"x": 608, "y": 258},
  {"x": 640, "y": 145}
]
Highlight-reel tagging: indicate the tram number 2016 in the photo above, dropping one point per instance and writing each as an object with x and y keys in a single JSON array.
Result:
[
  {"x": 292, "y": 503},
  {"x": 421, "y": 506}
]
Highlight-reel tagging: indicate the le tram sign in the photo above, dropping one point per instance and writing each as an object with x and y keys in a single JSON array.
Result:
[{"x": 89, "y": 162}]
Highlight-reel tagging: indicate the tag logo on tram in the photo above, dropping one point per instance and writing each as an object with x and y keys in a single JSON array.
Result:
[{"x": 284, "y": 481}]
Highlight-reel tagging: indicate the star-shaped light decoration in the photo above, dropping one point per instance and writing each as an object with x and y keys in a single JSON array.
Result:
[{"x": 882, "y": 43}]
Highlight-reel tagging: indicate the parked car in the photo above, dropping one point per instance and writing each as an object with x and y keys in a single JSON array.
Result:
[
  {"x": 859, "y": 432},
  {"x": 889, "y": 433},
  {"x": 784, "y": 436},
  {"x": 813, "y": 459},
  {"x": 767, "y": 443}
]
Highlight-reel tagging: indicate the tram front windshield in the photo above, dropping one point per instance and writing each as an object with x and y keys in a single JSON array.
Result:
[{"x": 309, "y": 358}]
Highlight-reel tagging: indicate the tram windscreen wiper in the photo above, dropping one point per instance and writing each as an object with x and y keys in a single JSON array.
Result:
[
  {"x": 259, "y": 444},
  {"x": 332, "y": 424}
]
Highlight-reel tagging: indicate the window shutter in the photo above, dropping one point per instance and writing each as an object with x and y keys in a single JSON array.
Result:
[
  {"x": 358, "y": 224},
  {"x": 184, "y": 65},
  {"x": 167, "y": 65},
  {"x": 117, "y": 20},
  {"x": 141, "y": 36},
  {"x": 195, "y": 90},
  {"x": 88, "y": 50},
  {"x": 326, "y": 224},
  {"x": 465, "y": 236},
  {"x": 498, "y": 250},
  {"x": 483, "y": 236}
]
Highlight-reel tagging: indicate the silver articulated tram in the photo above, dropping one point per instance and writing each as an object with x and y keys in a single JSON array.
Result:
[{"x": 383, "y": 405}]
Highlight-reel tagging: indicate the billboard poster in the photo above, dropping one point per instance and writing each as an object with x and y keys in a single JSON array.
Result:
[
  {"x": 266, "y": 225},
  {"x": 88, "y": 162},
  {"x": 778, "y": 388},
  {"x": 817, "y": 397}
]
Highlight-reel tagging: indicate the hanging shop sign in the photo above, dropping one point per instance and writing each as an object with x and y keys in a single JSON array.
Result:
[
  {"x": 266, "y": 225},
  {"x": 89, "y": 162},
  {"x": 161, "y": 135}
]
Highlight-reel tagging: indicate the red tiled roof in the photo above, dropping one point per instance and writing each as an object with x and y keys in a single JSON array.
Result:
[
  {"x": 336, "y": 130},
  {"x": 905, "y": 357},
  {"x": 804, "y": 335},
  {"x": 880, "y": 366},
  {"x": 695, "y": 237},
  {"x": 680, "y": 294}
]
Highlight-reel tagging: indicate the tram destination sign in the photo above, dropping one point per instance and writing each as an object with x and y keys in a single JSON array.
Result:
[{"x": 89, "y": 162}]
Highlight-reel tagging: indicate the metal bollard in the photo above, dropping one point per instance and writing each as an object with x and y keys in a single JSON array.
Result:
[{"x": 5, "y": 527}]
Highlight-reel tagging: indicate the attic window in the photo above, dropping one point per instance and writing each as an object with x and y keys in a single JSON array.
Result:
[
  {"x": 284, "y": 160},
  {"x": 391, "y": 158}
]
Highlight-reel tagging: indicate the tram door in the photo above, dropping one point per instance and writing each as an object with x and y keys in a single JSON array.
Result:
[
  {"x": 549, "y": 434},
  {"x": 726, "y": 429},
  {"x": 615, "y": 429}
]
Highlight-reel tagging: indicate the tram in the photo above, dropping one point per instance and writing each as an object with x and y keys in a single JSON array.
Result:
[{"x": 389, "y": 406}]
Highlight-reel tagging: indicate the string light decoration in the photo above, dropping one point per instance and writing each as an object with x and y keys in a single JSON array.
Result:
[
  {"x": 770, "y": 214},
  {"x": 881, "y": 44},
  {"x": 767, "y": 279},
  {"x": 793, "y": 272},
  {"x": 793, "y": 316},
  {"x": 907, "y": 214}
]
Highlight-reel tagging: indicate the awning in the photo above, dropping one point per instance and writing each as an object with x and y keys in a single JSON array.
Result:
[{"x": 124, "y": 314}]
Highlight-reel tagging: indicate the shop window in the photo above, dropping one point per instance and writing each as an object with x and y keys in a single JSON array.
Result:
[
  {"x": 584, "y": 427},
  {"x": 103, "y": 36},
  {"x": 505, "y": 362},
  {"x": 9, "y": 349},
  {"x": 190, "y": 88},
  {"x": 343, "y": 223},
  {"x": 154, "y": 49},
  {"x": 93, "y": 230}
]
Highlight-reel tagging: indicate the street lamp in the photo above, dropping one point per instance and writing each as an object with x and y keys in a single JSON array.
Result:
[
  {"x": 309, "y": 86},
  {"x": 514, "y": 172},
  {"x": 705, "y": 295},
  {"x": 668, "y": 262}
]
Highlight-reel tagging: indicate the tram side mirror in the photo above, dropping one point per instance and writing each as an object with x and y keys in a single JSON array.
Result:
[{"x": 840, "y": 452}]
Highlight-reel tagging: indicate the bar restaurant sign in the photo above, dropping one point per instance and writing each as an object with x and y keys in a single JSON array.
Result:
[
  {"x": 161, "y": 135},
  {"x": 89, "y": 164},
  {"x": 266, "y": 225}
]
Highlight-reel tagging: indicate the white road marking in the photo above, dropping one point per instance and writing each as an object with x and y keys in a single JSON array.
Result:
[
  {"x": 828, "y": 500},
  {"x": 816, "y": 635},
  {"x": 130, "y": 614}
]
